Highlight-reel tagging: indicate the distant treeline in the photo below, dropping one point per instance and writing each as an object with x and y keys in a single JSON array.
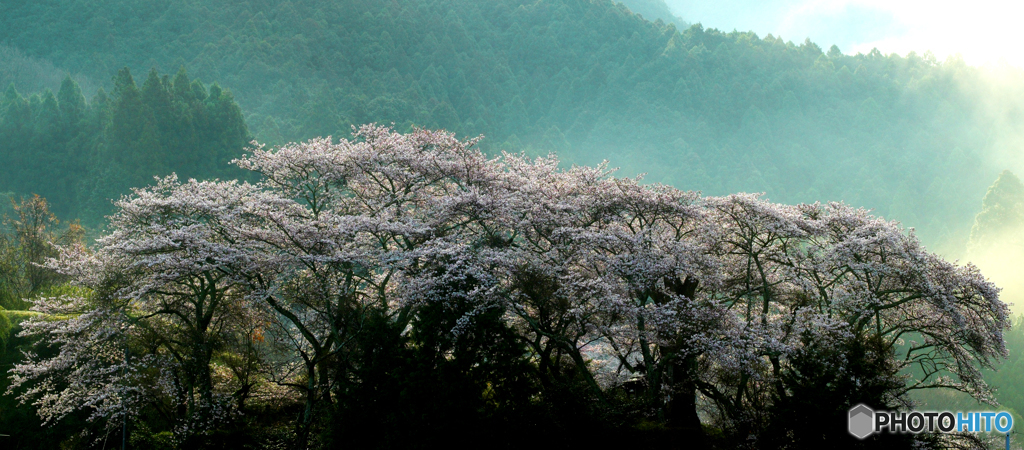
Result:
[
  {"x": 910, "y": 137},
  {"x": 81, "y": 154}
]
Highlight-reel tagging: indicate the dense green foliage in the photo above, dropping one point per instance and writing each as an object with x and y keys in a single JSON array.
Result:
[
  {"x": 700, "y": 109},
  {"x": 1001, "y": 216},
  {"x": 5, "y": 331},
  {"x": 654, "y": 10},
  {"x": 33, "y": 74},
  {"x": 27, "y": 235},
  {"x": 81, "y": 154}
]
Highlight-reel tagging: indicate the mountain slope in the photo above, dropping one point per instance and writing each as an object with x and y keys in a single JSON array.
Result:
[
  {"x": 696, "y": 108},
  {"x": 654, "y": 10}
]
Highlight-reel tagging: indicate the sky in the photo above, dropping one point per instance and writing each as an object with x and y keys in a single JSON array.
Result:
[{"x": 983, "y": 32}]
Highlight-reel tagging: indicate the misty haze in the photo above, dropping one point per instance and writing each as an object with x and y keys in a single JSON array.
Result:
[{"x": 513, "y": 224}]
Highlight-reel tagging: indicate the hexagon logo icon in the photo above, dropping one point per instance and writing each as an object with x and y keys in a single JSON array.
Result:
[{"x": 861, "y": 421}]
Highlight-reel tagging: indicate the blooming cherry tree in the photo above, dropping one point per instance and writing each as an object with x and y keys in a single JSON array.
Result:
[
  {"x": 165, "y": 279},
  {"x": 699, "y": 301}
]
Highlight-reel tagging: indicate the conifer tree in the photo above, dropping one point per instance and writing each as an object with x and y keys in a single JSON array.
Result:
[
  {"x": 72, "y": 104},
  {"x": 17, "y": 131},
  {"x": 73, "y": 111},
  {"x": 1002, "y": 214},
  {"x": 133, "y": 136}
]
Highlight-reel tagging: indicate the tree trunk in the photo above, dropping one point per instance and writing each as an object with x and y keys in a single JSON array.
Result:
[
  {"x": 681, "y": 408},
  {"x": 305, "y": 422}
]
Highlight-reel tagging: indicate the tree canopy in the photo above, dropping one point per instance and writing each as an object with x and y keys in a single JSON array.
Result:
[
  {"x": 530, "y": 295},
  {"x": 1001, "y": 216},
  {"x": 81, "y": 155}
]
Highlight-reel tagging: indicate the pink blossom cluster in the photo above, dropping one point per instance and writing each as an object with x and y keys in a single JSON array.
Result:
[{"x": 708, "y": 296}]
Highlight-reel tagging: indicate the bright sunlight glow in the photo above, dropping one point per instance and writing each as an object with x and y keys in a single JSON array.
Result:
[{"x": 983, "y": 32}]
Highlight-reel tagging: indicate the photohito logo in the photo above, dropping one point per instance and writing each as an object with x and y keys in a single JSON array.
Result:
[{"x": 863, "y": 421}]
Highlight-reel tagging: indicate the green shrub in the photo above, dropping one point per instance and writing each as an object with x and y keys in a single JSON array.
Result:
[
  {"x": 15, "y": 317},
  {"x": 5, "y": 330}
]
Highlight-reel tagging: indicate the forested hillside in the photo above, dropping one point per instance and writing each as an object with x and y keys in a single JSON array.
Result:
[
  {"x": 653, "y": 10},
  {"x": 81, "y": 154},
  {"x": 410, "y": 287},
  {"x": 915, "y": 139}
]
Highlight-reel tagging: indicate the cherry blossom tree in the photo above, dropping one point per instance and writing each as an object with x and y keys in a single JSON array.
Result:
[
  {"x": 163, "y": 297},
  {"x": 605, "y": 265},
  {"x": 709, "y": 304},
  {"x": 831, "y": 278},
  {"x": 363, "y": 220}
]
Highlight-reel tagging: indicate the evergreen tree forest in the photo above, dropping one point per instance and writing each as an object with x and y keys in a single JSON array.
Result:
[
  {"x": 302, "y": 224},
  {"x": 915, "y": 139},
  {"x": 80, "y": 154}
]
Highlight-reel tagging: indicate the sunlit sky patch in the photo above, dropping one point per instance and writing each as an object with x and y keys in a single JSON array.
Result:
[{"x": 982, "y": 31}]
